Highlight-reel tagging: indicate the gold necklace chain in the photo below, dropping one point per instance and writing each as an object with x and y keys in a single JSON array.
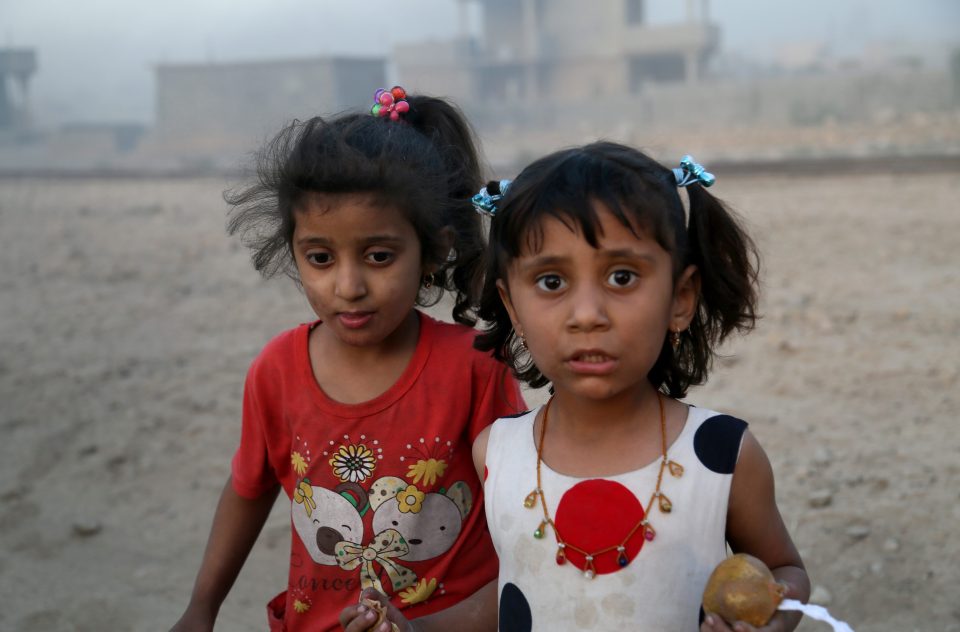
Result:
[{"x": 664, "y": 504}]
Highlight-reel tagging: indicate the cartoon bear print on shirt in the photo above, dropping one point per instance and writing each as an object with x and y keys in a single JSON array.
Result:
[
  {"x": 409, "y": 525},
  {"x": 329, "y": 519},
  {"x": 429, "y": 523}
]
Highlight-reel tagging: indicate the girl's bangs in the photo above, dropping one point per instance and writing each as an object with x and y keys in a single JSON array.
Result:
[{"x": 573, "y": 193}]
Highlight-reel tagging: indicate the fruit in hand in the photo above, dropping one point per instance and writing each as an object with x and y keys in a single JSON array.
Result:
[
  {"x": 381, "y": 611},
  {"x": 742, "y": 588}
]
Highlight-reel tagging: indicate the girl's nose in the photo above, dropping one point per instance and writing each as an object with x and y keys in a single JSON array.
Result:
[
  {"x": 588, "y": 309},
  {"x": 350, "y": 283}
]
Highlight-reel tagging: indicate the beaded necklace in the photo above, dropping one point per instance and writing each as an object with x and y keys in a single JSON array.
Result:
[{"x": 589, "y": 571}]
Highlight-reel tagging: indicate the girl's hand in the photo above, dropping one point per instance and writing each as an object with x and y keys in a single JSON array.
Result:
[
  {"x": 713, "y": 623},
  {"x": 194, "y": 620},
  {"x": 360, "y": 618}
]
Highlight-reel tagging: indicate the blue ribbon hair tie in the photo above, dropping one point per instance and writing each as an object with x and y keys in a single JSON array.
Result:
[
  {"x": 485, "y": 202},
  {"x": 691, "y": 172}
]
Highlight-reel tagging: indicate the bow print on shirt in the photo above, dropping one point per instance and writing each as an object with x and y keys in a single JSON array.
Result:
[{"x": 386, "y": 545}]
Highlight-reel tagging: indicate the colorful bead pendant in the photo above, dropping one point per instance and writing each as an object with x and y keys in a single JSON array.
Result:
[
  {"x": 665, "y": 505},
  {"x": 675, "y": 468},
  {"x": 648, "y": 533},
  {"x": 531, "y": 499},
  {"x": 561, "y": 555},
  {"x": 589, "y": 571},
  {"x": 622, "y": 556},
  {"x": 538, "y": 534}
]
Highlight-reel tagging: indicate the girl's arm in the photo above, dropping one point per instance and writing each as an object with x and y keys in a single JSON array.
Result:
[
  {"x": 236, "y": 525},
  {"x": 754, "y": 526}
]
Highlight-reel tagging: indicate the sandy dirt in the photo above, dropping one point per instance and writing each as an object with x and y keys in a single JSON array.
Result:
[{"x": 128, "y": 319}]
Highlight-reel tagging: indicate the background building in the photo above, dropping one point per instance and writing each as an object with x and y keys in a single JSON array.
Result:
[
  {"x": 536, "y": 74},
  {"x": 17, "y": 65},
  {"x": 213, "y": 111},
  {"x": 532, "y": 75},
  {"x": 535, "y": 50}
]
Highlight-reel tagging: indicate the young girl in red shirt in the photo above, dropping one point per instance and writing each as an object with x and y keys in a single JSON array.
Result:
[{"x": 364, "y": 417}]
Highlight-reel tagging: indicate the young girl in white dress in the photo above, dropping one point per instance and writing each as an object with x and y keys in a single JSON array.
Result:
[{"x": 610, "y": 505}]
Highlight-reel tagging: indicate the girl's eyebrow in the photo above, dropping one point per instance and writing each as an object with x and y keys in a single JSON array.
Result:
[
  {"x": 316, "y": 240},
  {"x": 379, "y": 239},
  {"x": 311, "y": 240},
  {"x": 628, "y": 253},
  {"x": 543, "y": 261},
  {"x": 556, "y": 260}
]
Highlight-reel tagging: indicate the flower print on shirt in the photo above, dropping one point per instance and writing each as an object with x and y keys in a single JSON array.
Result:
[
  {"x": 430, "y": 459},
  {"x": 353, "y": 463}
]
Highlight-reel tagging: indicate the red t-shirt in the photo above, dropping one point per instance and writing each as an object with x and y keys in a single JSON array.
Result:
[{"x": 383, "y": 493}]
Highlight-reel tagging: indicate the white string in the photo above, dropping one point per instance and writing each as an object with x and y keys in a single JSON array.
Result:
[{"x": 814, "y": 612}]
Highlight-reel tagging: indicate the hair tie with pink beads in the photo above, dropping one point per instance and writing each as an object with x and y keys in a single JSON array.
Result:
[{"x": 390, "y": 103}]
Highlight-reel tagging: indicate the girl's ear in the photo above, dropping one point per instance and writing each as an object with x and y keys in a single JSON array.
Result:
[
  {"x": 445, "y": 254},
  {"x": 686, "y": 294},
  {"x": 504, "y": 292}
]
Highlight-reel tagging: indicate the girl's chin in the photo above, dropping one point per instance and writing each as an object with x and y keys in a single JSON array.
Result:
[{"x": 602, "y": 389}]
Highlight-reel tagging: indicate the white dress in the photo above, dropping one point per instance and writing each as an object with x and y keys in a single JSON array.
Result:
[{"x": 660, "y": 586}]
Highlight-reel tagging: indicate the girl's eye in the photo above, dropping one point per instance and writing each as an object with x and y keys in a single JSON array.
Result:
[
  {"x": 380, "y": 256},
  {"x": 319, "y": 258},
  {"x": 621, "y": 278},
  {"x": 550, "y": 283}
]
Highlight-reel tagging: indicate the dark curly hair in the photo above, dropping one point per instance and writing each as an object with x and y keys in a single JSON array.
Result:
[
  {"x": 426, "y": 166},
  {"x": 640, "y": 193}
]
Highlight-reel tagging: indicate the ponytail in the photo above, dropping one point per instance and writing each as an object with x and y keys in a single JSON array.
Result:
[
  {"x": 728, "y": 264},
  {"x": 462, "y": 272}
]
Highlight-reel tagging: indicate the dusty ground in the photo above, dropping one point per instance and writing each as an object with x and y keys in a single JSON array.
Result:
[{"x": 128, "y": 318}]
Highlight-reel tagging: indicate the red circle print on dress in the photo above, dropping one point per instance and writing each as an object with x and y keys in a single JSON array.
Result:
[{"x": 597, "y": 514}]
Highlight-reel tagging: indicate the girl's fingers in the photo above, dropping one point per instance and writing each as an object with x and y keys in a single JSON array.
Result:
[
  {"x": 374, "y": 594},
  {"x": 360, "y": 621},
  {"x": 363, "y": 623},
  {"x": 369, "y": 593},
  {"x": 713, "y": 623},
  {"x": 348, "y": 614}
]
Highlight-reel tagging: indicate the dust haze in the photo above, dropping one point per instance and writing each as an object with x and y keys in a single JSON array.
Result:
[{"x": 128, "y": 317}]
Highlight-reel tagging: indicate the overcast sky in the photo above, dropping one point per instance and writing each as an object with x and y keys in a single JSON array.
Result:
[{"x": 96, "y": 58}]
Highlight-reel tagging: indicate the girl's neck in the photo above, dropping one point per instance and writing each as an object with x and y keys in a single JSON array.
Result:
[
  {"x": 588, "y": 438},
  {"x": 579, "y": 417},
  {"x": 353, "y": 374}
]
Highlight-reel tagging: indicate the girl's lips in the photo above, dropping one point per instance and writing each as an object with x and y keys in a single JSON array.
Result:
[
  {"x": 592, "y": 363},
  {"x": 354, "y": 320}
]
